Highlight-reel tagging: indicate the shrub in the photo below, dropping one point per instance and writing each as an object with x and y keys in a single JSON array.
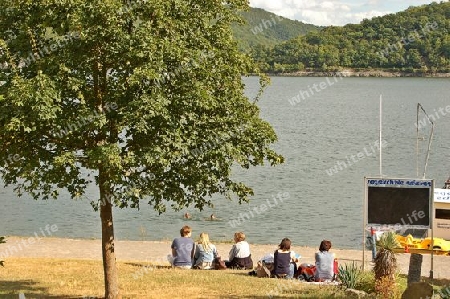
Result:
[
  {"x": 444, "y": 293},
  {"x": 366, "y": 282}
]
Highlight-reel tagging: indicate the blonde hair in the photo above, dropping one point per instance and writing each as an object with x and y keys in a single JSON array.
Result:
[
  {"x": 239, "y": 236},
  {"x": 204, "y": 241}
]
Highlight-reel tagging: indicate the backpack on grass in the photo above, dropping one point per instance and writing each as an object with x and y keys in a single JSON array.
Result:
[
  {"x": 264, "y": 269},
  {"x": 306, "y": 272}
]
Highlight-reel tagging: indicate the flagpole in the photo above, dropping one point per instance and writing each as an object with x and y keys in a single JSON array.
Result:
[{"x": 381, "y": 123}]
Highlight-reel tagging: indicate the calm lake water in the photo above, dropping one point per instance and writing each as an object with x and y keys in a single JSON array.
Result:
[{"x": 303, "y": 199}]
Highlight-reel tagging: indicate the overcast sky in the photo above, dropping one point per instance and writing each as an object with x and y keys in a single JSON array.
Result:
[{"x": 334, "y": 12}]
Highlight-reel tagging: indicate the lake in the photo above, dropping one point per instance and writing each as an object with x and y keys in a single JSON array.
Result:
[{"x": 328, "y": 131}]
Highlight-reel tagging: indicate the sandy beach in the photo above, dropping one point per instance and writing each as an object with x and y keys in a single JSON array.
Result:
[{"x": 156, "y": 252}]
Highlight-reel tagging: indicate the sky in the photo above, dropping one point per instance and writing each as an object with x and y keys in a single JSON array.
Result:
[{"x": 335, "y": 12}]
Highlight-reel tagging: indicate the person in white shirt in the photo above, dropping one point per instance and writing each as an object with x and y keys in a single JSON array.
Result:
[
  {"x": 325, "y": 262},
  {"x": 240, "y": 256}
]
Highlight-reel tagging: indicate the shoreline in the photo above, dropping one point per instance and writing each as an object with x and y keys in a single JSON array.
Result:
[
  {"x": 157, "y": 251},
  {"x": 222, "y": 241},
  {"x": 363, "y": 74}
]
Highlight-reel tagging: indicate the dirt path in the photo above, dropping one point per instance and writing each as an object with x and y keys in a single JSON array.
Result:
[{"x": 153, "y": 251}]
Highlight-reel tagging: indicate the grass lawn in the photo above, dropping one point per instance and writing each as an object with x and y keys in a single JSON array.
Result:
[
  {"x": 58, "y": 278},
  {"x": 62, "y": 278}
]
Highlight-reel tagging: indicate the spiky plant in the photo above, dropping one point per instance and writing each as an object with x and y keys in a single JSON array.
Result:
[
  {"x": 386, "y": 262},
  {"x": 349, "y": 275}
]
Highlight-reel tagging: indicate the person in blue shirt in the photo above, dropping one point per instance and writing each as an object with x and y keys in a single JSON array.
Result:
[{"x": 182, "y": 249}]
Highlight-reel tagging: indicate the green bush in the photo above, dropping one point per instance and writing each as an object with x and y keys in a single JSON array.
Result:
[
  {"x": 349, "y": 275},
  {"x": 366, "y": 282}
]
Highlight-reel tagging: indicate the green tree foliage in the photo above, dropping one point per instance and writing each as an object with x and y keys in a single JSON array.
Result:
[
  {"x": 265, "y": 29},
  {"x": 415, "y": 39},
  {"x": 143, "y": 98}
]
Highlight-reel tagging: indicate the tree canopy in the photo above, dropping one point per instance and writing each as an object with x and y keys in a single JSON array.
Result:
[
  {"x": 109, "y": 55},
  {"x": 143, "y": 98}
]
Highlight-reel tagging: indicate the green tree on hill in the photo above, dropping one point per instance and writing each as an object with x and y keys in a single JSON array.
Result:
[
  {"x": 266, "y": 29},
  {"x": 121, "y": 94},
  {"x": 415, "y": 39}
]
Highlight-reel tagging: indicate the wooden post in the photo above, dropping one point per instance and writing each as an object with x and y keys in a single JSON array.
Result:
[{"x": 415, "y": 268}]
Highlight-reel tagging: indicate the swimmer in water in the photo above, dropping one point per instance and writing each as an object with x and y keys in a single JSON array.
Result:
[{"x": 212, "y": 217}]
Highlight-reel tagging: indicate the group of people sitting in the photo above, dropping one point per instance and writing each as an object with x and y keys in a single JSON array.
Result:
[
  {"x": 187, "y": 254},
  {"x": 285, "y": 261}
]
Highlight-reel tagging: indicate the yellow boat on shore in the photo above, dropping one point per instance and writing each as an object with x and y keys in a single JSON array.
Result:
[{"x": 414, "y": 245}]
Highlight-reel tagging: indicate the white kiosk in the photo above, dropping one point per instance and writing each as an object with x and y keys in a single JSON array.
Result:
[{"x": 441, "y": 219}]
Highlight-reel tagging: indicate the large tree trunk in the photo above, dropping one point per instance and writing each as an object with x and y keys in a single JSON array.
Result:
[{"x": 109, "y": 256}]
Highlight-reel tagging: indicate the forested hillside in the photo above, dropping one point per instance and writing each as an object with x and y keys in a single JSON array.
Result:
[
  {"x": 415, "y": 40},
  {"x": 263, "y": 28}
]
